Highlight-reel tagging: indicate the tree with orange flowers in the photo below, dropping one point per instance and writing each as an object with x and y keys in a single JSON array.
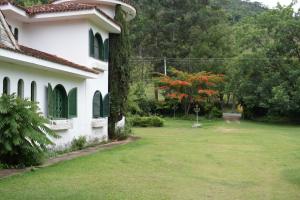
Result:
[{"x": 190, "y": 88}]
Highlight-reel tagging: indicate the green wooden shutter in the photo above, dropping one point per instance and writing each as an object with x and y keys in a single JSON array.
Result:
[
  {"x": 101, "y": 106},
  {"x": 6, "y": 86},
  {"x": 101, "y": 49},
  {"x": 72, "y": 100},
  {"x": 91, "y": 43},
  {"x": 50, "y": 101},
  {"x": 106, "y": 50},
  {"x": 106, "y": 106},
  {"x": 33, "y": 91}
]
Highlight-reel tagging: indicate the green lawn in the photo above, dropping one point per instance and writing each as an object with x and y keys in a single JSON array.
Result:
[{"x": 220, "y": 161}]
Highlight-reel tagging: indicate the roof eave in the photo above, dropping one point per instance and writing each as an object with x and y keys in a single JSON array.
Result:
[{"x": 29, "y": 61}]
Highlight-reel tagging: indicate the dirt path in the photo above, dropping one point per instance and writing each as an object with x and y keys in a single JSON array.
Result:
[{"x": 4, "y": 173}]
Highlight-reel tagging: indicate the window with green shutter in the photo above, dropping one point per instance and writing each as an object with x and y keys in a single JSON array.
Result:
[
  {"x": 6, "y": 86},
  {"x": 72, "y": 99},
  {"x": 33, "y": 91},
  {"x": 97, "y": 105},
  {"x": 91, "y": 43},
  {"x": 99, "y": 50},
  {"x": 106, "y": 50},
  {"x": 21, "y": 89},
  {"x": 60, "y": 102},
  {"x": 106, "y": 106}
]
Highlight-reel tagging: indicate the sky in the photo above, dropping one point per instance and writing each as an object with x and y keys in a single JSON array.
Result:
[{"x": 273, "y": 3}]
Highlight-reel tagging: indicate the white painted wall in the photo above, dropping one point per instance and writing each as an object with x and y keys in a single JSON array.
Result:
[
  {"x": 66, "y": 39},
  {"x": 86, "y": 90}
]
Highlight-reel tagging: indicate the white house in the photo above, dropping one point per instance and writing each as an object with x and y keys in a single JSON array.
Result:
[{"x": 57, "y": 55}]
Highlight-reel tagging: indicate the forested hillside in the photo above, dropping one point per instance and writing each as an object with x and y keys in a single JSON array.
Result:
[{"x": 190, "y": 28}]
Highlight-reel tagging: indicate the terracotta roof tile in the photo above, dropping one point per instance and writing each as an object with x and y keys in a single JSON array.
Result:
[
  {"x": 62, "y": 7},
  {"x": 49, "y": 57}
]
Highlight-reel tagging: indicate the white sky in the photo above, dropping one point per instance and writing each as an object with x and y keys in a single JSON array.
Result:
[{"x": 273, "y": 3}]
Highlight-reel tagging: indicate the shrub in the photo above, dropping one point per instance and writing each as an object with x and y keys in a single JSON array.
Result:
[
  {"x": 24, "y": 136},
  {"x": 79, "y": 143},
  {"x": 123, "y": 133},
  {"x": 153, "y": 121},
  {"x": 215, "y": 113}
]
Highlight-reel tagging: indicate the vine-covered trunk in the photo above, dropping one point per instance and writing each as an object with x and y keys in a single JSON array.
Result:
[{"x": 119, "y": 73}]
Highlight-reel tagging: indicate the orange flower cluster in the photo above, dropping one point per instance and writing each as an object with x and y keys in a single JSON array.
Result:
[
  {"x": 179, "y": 83},
  {"x": 179, "y": 96},
  {"x": 208, "y": 92}
]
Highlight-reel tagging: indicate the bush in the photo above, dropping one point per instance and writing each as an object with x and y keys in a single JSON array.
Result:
[
  {"x": 79, "y": 143},
  {"x": 215, "y": 113},
  {"x": 125, "y": 132},
  {"x": 153, "y": 121},
  {"x": 23, "y": 133}
]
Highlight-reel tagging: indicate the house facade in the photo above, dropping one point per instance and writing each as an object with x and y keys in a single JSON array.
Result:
[{"x": 57, "y": 55}]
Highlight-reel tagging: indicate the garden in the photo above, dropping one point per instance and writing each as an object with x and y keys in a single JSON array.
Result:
[{"x": 175, "y": 94}]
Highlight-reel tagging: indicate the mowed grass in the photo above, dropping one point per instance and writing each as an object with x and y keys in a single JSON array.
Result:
[{"x": 220, "y": 161}]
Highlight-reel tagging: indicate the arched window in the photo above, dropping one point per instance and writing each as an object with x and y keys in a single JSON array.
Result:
[
  {"x": 60, "y": 103},
  {"x": 16, "y": 34},
  {"x": 33, "y": 91},
  {"x": 106, "y": 49},
  {"x": 6, "y": 86},
  {"x": 98, "y": 44},
  {"x": 91, "y": 43},
  {"x": 106, "y": 106},
  {"x": 21, "y": 89},
  {"x": 97, "y": 105}
]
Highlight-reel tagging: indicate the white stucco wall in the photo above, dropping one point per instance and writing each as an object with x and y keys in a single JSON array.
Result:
[
  {"x": 66, "y": 39},
  {"x": 86, "y": 89}
]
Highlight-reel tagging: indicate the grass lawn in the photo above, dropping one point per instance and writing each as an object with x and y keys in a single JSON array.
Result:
[{"x": 220, "y": 161}]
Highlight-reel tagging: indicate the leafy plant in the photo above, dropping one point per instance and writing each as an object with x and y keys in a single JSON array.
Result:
[
  {"x": 78, "y": 143},
  {"x": 24, "y": 135},
  {"x": 122, "y": 133}
]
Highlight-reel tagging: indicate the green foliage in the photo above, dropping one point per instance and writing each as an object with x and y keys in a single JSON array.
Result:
[
  {"x": 122, "y": 133},
  {"x": 265, "y": 77},
  {"x": 78, "y": 143},
  {"x": 152, "y": 121},
  {"x": 24, "y": 136},
  {"x": 215, "y": 112},
  {"x": 138, "y": 102},
  {"x": 119, "y": 72},
  {"x": 180, "y": 29},
  {"x": 27, "y": 3}
]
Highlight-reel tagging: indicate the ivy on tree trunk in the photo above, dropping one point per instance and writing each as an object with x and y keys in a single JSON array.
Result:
[{"x": 119, "y": 72}]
